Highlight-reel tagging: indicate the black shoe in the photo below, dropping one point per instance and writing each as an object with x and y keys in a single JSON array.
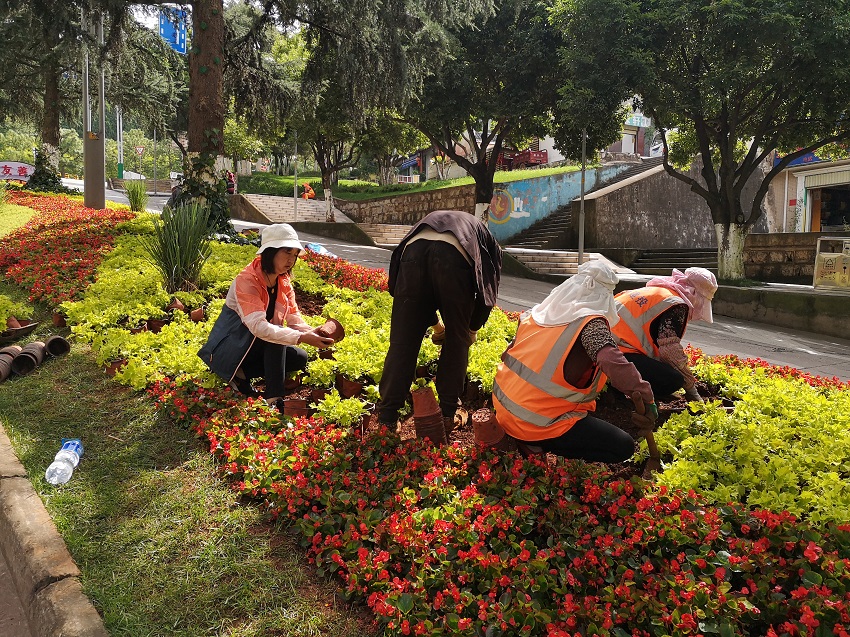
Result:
[{"x": 244, "y": 386}]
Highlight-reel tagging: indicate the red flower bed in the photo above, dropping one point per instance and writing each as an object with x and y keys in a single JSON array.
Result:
[
  {"x": 56, "y": 253},
  {"x": 451, "y": 541},
  {"x": 343, "y": 274}
]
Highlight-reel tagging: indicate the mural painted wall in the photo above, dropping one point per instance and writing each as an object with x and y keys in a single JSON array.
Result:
[{"x": 518, "y": 205}]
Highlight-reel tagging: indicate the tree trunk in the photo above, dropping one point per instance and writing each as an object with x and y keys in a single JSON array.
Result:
[
  {"x": 483, "y": 177},
  {"x": 50, "y": 133},
  {"x": 730, "y": 250},
  {"x": 206, "y": 103},
  {"x": 330, "y": 217}
]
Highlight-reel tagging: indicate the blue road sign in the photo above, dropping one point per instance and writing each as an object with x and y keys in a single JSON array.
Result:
[{"x": 172, "y": 27}]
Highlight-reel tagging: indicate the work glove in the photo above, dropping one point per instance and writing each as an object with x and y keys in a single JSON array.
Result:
[
  {"x": 692, "y": 394},
  {"x": 644, "y": 416},
  {"x": 438, "y": 333}
]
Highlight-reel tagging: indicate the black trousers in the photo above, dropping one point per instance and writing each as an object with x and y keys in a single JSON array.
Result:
[
  {"x": 592, "y": 439},
  {"x": 273, "y": 362},
  {"x": 663, "y": 377},
  {"x": 433, "y": 275}
]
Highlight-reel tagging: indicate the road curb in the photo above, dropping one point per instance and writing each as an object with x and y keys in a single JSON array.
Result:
[{"x": 43, "y": 571}]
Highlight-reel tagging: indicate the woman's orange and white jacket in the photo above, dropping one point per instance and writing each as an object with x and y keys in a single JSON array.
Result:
[
  {"x": 532, "y": 399},
  {"x": 637, "y": 310},
  {"x": 243, "y": 319}
]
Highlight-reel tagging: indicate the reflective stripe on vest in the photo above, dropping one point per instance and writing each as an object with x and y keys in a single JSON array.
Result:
[
  {"x": 563, "y": 396},
  {"x": 632, "y": 332}
]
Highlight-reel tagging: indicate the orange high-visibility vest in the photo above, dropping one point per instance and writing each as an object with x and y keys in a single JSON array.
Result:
[
  {"x": 637, "y": 310},
  {"x": 532, "y": 399}
]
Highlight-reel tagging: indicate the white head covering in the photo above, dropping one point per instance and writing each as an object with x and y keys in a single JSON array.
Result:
[
  {"x": 589, "y": 293},
  {"x": 695, "y": 286},
  {"x": 279, "y": 235}
]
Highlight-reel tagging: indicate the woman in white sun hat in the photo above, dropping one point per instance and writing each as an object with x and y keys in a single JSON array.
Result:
[
  {"x": 257, "y": 333},
  {"x": 653, "y": 321}
]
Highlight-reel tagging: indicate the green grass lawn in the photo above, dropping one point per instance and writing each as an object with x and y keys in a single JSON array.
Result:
[
  {"x": 165, "y": 547},
  {"x": 13, "y": 217},
  {"x": 355, "y": 190}
]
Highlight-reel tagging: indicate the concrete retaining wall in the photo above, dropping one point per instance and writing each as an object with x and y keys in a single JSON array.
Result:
[
  {"x": 787, "y": 257},
  {"x": 160, "y": 185},
  {"x": 408, "y": 209}
]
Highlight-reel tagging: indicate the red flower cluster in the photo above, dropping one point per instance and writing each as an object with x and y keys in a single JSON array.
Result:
[
  {"x": 783, "y": 371},
  {"x": 55, "y": 255},
  {"x": 343, "y": 274}
]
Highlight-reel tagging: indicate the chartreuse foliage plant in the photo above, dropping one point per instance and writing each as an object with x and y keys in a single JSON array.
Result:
[
  {"x": 10, "y": 307},
  {"x": 785, "y": 446}
]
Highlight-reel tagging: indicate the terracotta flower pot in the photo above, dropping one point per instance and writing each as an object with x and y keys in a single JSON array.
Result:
[
  {"x": 197, "y": 315},
  {"x": 139, "y": 329},
  {"x": 156, "y": 325},
  {"x": 348, "y": 388},
  {"x": 11, "y": 350},
  {"x": 5, "y": 367},
  {"x": 176, "y": 304},
  {"x": 296, "y": 408},
  {"x": 114, "y": 366},
  {"x": 488, "y": 432},
  {"x": 31, "y": 356},
  {"x": 333, "y": 329},
  {"x": 430, "y": 428},
  {"x": 319, "y": 393},
  {"x": 12, "y": 323},
  {"x": 326, "y": 354},
  {"x": 57, "y": 345},
  {"x": 59, "y": 319},
  {"x": 424, "y": 402}
]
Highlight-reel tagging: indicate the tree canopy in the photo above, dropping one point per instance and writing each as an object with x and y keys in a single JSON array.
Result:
[
  {"x": 736, "y": 80},
  {"x": 497, "y": 84}
]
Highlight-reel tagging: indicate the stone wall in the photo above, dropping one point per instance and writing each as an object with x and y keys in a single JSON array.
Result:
[
  {"x": 659, "y": 211},
  {"x": 782, "y": 257},
  {"x": 408, "y": 209},
  {"x": 162, "y": 186}
]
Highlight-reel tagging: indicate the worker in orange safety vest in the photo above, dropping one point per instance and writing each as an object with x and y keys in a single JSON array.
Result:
[
  {"x": 308, "y": 192},
  {"x": 546, "y": 386},
  {"x": 653, "y": 321}
]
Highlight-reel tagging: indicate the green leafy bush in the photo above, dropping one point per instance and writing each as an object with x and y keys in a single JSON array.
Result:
[
  {"x": 8, "y": 308},
  {"x": 179, "y": 246},
  {"x": 137, "y": 194}
]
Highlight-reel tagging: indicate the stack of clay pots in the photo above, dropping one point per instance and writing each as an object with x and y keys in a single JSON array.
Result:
[
  {"x": 23, "y": 360},
  {"x": 427, "y": 417},
  {"x": 333, "y": 329},
  {"x": 489, "y": 433}
]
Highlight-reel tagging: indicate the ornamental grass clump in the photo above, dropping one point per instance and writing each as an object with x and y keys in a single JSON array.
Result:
[
  {"x": 137, "y": 194},
  {"x": 180, "y": 245}
]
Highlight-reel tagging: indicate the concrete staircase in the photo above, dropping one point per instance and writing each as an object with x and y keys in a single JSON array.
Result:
[
  {"x": 662, "y": 262},
  {"x": 555, "y": 231},
  {"x": 385, "y": 235},
  {"x": 559, "y": 262},
  {"x": 283, "y": 210}
]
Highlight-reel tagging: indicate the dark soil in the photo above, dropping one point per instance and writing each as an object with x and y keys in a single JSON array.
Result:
[{"x": 611, "y": 406}]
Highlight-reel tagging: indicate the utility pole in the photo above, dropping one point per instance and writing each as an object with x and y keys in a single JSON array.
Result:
[
  {"x": 295, "y": 182},
  {"x": 119, "y": 140},
  {"x": 581, "y": 204}
]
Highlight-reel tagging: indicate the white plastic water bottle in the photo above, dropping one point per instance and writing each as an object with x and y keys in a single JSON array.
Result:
[{"x": 60, "y": 470}]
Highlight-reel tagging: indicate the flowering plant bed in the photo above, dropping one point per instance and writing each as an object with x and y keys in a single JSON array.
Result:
[{"x": 457, "y": 541}]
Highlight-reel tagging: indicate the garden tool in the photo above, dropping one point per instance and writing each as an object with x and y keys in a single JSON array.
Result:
[{"x": 645, "y": 422}]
